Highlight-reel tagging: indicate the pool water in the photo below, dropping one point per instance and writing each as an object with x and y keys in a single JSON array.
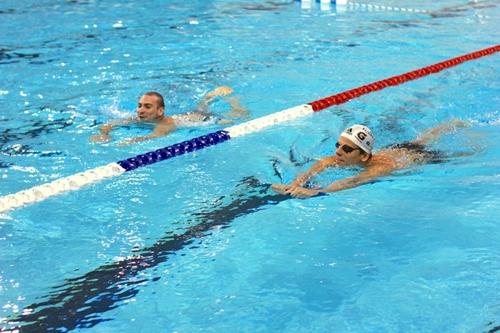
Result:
[{"x": 198, "y": 243}]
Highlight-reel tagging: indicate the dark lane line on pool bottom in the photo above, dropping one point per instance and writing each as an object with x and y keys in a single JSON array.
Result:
[{"x": 79, "y": 302}]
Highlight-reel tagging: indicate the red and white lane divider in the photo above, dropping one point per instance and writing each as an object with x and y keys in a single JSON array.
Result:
[{"x": 74, "y": 182}]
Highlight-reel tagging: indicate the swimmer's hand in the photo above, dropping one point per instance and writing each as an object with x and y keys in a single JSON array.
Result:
[
  {"x": 130, "y": 141},
  {"x": 104, "y": 135},
  {"x": 100, "y": 138},
  {"x": 295, "y": 191},
  {"x": 219, "y": 91},
  {"x": 127, "y": 142}
]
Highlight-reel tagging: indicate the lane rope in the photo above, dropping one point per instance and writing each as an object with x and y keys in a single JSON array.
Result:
[
  {"x": 372, "y": 7},
  {"x": 368, "y": 6},
  {"x": 74, "y": 182}
]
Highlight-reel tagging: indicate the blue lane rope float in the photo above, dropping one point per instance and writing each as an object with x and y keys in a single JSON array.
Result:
[
  {"x": 174, "y": 150},
  {"x": 74, "y": 182}
]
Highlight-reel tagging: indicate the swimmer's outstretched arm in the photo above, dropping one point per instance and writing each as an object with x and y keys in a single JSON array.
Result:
[
  {"x": 344, "y": 184},
  {"x": 362, "y": 178},
  {"x": 317, "y": 167},
  {"x": 105, "y": 130}
]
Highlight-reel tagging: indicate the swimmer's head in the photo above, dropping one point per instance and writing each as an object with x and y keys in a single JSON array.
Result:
[
  {"x": 159, "y": 98},
  {"x": 151, "y": 107},
  {"x": 361, "y": 136}
]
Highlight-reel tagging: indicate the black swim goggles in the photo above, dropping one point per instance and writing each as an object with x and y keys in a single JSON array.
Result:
[{"x": 347, "y": 149}]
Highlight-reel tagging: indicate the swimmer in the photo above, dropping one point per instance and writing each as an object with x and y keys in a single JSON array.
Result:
[
  {"x": 151, "y": 110},
  {"x": 354, "y": 149}
]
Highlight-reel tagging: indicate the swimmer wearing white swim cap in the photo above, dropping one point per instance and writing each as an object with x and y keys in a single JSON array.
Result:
[
  {"x": 361, "y": 136},
  {"x": 354, "y": 148}
]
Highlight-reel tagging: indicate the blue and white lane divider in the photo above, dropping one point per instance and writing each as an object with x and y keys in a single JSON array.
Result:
[{"x": 76, "y": 181}]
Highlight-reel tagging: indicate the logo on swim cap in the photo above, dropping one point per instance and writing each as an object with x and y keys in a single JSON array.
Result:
[{"x": 361, "y": 136}]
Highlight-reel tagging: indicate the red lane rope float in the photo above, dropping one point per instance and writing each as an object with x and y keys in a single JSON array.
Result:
[{"x": 398, "y": 79}]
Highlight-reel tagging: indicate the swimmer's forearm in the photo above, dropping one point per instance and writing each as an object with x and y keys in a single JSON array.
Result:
[
  {"x": 103, "y": 135},
  {"x": 345, "y": 184},
  {"x": 106, "y": 129},
  {"x": 295, "y": 191},
  {"x": 304, "y": 177},
  {"x": 135, "y": 140},
  {"x": 140, "y": 139},
  {"x": 339, "y": 186},
  {"x": 301, "y": 179}
]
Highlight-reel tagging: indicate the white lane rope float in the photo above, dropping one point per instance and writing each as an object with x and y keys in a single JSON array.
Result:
[
  {"x": 374, "y": 7},
  {"x": 76, "y": 181},
  {"x": 352, "y": 5}
]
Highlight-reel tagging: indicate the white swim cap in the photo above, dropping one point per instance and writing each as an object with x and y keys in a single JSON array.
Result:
[{"x": 361, "y": 136}]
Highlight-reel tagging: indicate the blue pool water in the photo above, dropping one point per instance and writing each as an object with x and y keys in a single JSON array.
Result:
[{"x": 197, "y": 243}]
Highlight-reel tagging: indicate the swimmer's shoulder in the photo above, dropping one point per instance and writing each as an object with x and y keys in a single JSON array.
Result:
[
  {"x": 384, "y": 159},
  {"x": 328, "y": 161},
  {"x": 167, "y": 121},
  {"x": 164, "y": 126}
]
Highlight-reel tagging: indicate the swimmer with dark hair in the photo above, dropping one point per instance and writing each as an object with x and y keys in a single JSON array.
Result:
[{"x": 151, "y": 110}]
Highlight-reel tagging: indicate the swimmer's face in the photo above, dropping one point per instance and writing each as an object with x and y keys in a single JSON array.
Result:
[
  {"x": 149, "y": 109},
  {"x": 348, "y": 153}
]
